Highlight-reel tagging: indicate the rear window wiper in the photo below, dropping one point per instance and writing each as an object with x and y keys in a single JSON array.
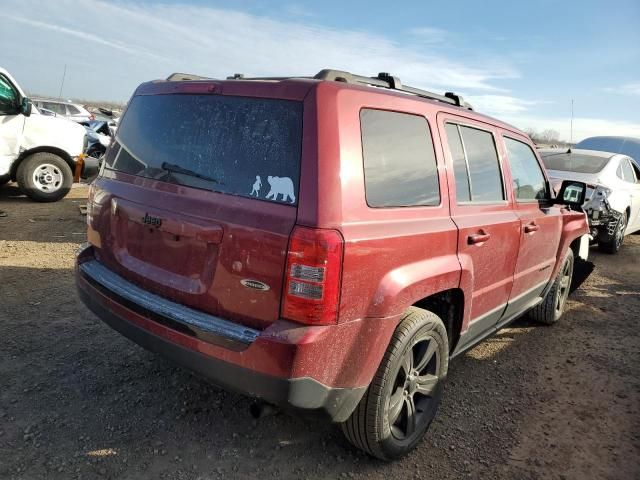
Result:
[{"x": 170, "y": 167}]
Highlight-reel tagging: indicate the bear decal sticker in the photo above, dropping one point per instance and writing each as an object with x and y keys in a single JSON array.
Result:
[{"x": 278, "y": 186}]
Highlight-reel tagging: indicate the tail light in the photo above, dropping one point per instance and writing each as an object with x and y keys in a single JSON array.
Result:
[{"x": 313, "y": 275}]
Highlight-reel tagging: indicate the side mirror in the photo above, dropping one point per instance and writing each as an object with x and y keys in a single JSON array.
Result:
[
  {"x": 25, "y": 107},
  {"x": 572, "y": 194}
]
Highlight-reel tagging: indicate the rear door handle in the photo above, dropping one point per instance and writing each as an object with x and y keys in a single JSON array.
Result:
[
  {"x": 531, "y": 228},
  {"x": 478, "y": 238}
]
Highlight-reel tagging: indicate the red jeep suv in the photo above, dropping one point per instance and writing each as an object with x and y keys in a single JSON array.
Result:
[{"x": 324, "y": 243}]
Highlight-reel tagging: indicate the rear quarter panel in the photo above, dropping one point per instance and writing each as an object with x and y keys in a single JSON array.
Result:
[{"x": 393, "y": 257}]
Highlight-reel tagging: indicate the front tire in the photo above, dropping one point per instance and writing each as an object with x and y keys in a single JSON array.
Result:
[
  {"x": 552, "y": 306},
  {"x": 403, "y": 397},
  {"x": 44, "y": 177}
]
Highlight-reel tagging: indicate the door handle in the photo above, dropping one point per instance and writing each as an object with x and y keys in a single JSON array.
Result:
[
  {"x": 478, "y": 238},
  {"x": 531, "y": 228}
]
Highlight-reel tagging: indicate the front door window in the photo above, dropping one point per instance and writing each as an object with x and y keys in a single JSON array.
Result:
[{"x": 9, "y": 98}]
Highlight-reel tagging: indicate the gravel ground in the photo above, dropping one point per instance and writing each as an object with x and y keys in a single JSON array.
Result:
[{"x": 77, "y": 400}]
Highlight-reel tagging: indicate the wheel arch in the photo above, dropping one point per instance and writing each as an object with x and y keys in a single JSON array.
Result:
[
  {"x": 449, "y": 306},
  {"x": 407, "y": 284},
  {"x": 575, "y": 247},
  {"x": 41, "y": 149},
  {"x": 575, "y": 225},
  {"x": 443, "y": 291}
]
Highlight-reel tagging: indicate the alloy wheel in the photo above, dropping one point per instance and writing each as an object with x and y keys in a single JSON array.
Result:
[
  {"x": 414, "y": 389},
  {"x": 564, "y": 285}
]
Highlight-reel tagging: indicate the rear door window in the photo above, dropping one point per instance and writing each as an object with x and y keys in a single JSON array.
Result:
[
  {"x": 528, "y": 179},
  {"x": 460, "y": 167},
  {"x": 399, "y": 161},
  {"x": 72, "y": 110},
  {"x": 55, "y": 107},
  {"x": 237, "y": 145},
  {"x": 481, "y": 167}
]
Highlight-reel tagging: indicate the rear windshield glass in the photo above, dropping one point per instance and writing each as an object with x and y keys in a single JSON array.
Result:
[
  {"x": 625, "y": 145},
  {"x": 572, "y": 162},
  {"x": 237, "y": 145}
]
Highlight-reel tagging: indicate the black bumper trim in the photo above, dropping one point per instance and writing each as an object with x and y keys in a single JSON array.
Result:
[{"x": 300, "y": 393}]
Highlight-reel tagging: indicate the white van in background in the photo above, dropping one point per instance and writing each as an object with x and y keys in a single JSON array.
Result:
[{"x": 40, "y": 152}]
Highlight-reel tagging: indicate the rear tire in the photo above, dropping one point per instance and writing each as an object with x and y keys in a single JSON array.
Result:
[
  {"x": 613, "y": 245},
  {"x": 552, "y": 306},
  {"x": 403, "y": 397},
  {"x": 44, "y": 177}
]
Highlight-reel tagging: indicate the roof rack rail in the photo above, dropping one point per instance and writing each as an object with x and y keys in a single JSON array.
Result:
[
  {"x": 179, "y": 77},
  {"x": 386, "y": 80},
  {"x": 240, "y": 76},
  {"x": 382, "y": 80}
]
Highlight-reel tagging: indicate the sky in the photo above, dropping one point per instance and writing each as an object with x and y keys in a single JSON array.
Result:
[{"x": 522, "y": 62}]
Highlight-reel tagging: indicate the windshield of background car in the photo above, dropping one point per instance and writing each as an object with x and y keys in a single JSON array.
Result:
[
  {"x": 237, "y": 145},
  {"x": 573, "y": 162}
]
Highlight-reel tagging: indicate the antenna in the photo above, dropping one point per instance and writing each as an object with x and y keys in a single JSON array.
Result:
[{"x": 64, "y": 74}]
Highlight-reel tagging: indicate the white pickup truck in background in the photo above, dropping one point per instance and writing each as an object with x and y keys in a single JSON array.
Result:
[{"x": 39, "y": 152}]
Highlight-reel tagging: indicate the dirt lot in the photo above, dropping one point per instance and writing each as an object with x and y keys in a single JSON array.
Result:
[{"x": 77, "y": 400}]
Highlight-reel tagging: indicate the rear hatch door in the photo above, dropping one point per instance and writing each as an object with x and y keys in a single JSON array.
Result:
[{"x": 198, "y": 197}]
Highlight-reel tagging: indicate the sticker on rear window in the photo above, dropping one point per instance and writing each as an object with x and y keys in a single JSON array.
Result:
[
  {"x": 257, "y": 185},
  {"x": 280, "y": 186}
]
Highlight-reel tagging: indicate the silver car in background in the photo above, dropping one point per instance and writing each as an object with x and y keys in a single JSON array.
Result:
[
  {"x": 70, "y": 111},
  {"x": 613, "y": 190}
]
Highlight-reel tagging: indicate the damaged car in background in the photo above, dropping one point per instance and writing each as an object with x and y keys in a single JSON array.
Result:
[
  {"x": 613, "y": 190},
  {"x": 99, "y": 136}
]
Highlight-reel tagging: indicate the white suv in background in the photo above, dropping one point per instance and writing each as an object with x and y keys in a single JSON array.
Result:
[
  {"x": 71, "y": 111},
  {"x": 39, "y": 152}
]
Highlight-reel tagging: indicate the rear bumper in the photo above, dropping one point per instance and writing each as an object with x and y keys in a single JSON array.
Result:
[
  {"x": 300, "y": 393},
  {"x": 322, "y": 369}
]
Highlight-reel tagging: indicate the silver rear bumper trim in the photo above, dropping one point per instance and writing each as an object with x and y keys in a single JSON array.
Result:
[{"x": 167, "y": 309}]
